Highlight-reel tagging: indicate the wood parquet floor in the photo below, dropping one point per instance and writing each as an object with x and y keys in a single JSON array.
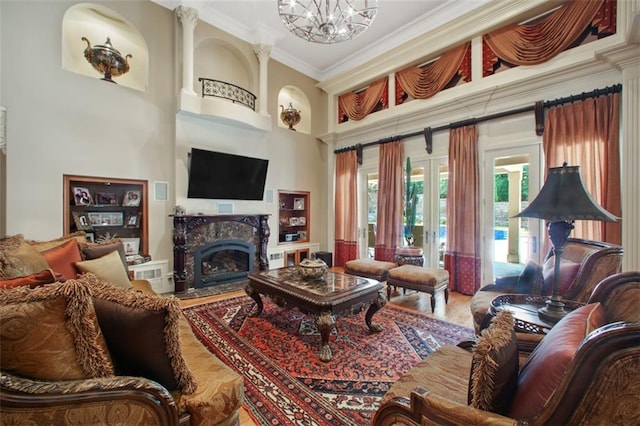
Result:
[{"x": 456, "y": 311}]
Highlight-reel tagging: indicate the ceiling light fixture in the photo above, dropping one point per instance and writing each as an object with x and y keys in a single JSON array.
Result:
[{"x": 327, "y": 21}]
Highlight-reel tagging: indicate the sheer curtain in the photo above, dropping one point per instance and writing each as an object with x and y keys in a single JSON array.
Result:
[
  {"x": 346, "y": 238},
  {"x": 586, "y": 134},
  {"x": 462, "y": 256},
  {"x": 390, "y": 185}
]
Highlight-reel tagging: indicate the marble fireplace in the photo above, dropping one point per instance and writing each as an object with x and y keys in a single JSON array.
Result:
[{"x": 212, "y": 250}]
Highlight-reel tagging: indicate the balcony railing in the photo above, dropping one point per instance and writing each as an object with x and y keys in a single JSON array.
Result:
[{"x": 220, "y": 89}]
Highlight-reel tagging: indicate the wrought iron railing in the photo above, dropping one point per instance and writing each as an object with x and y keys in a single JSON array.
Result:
[{"x": 221, "y": 89}]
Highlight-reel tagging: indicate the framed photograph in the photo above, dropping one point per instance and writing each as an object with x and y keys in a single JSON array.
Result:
[
  {"x": 302, "y": 221},
  {"x": 90, "y": 236},
  {"x": 131, "y": 245},
  {"x": 107, "y": 198},
  {"x": 82, "y": 196},
  {"x": 298, "y": 203},
  {"x": 105, "y": 218},
  {"x": 131, "y": 199},
  {"x": 82, "y": 221},
  {"x": 293, "y": 221},
  {"x": 133, "y": 220},
  {"x": 303, "y": 235}
]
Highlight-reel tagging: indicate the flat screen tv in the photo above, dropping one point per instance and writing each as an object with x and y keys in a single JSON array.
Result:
[{"x": 216, "y": 175}]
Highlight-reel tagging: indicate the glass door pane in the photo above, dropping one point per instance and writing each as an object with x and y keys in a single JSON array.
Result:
[
  {"x": 510, "y": 242},
  {"x": 372, "y": 213}
]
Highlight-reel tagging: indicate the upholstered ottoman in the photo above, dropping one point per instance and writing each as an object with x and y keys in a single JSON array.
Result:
[
  {"x": 428, "y": 280},
  {"x": 376, "y": 269}
]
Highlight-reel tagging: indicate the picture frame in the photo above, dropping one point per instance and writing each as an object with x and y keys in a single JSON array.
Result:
[
  {"x": 98, "y": 219},
  {"x": 298, "y": 203},
  {"x": 131, "y": 199},
  {"x": 293, "y": 221},
  {"x": 106, "y": 198},
  {"x": 302, "y": 221},
  {"x": 82, "y": 196},
  {"x": 81, "y": 221},
  {"x": 133, "y": 220},
  {"x": 131, "y": 246},
  {"x": 302, "y": 235},
  {"x": 90, "y": 236}
]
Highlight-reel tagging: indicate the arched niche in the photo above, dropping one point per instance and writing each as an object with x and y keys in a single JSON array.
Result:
[
  {"x": 96, "y": 23},
  {"x": 298, "y": 100},
  {"x": 218, "y": 60}
]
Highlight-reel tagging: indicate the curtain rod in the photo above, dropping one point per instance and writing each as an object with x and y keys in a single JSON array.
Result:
[{"x": 537, "y": 108}]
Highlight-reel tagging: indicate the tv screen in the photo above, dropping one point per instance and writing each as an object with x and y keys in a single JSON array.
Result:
[{"x": 216, "y": 175}]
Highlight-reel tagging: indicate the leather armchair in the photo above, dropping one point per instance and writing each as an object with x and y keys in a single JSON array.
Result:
[
  {"x": 600, "y": 385},
  {"x": 597, "y": 261}
]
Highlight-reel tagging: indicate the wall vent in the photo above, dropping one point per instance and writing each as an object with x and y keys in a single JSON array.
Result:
[
  {"x": 225, "y": 207},
  {"x": 276, "y": 256}
]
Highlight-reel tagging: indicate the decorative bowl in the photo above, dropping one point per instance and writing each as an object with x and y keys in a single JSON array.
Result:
[
  {"x": 290, "y": 116},
  {"x": 312, "y": 269},
  {"x": 106, "y": 60}
]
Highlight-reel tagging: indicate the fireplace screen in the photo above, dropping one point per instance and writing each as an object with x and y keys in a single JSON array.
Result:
[{"x": 222, "y": 262}]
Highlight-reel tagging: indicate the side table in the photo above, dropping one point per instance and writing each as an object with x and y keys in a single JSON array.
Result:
[
  {"x": 524, "y": 308},
  {"x": 409, "y": 256}
]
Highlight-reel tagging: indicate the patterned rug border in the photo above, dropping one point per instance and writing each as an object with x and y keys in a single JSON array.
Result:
[{"x": 273, "y": 394}]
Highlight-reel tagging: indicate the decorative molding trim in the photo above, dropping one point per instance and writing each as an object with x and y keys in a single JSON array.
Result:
[{"x": 3, "y": 130}]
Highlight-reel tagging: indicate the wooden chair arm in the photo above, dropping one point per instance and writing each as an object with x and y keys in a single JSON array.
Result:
[
  {"x": 428, "y": 408},
  {"x": 34, "y": 401}
]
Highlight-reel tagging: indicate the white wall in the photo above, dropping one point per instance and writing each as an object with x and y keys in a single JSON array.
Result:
[{"x": 64, "y": 123}]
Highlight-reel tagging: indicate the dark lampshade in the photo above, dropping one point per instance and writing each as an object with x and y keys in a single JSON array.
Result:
[{"x": 564, "y": 197}]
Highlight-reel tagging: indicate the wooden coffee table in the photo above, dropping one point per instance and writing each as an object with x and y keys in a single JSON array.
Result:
[{"x": 323, "y": 299}]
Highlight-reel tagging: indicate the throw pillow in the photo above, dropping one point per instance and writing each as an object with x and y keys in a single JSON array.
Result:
[
  {"x": 494, "y": 368},
  {"x": 51, "y": 333},
  {"x": 568, "y": 272},
  {"x": 530, "y": 280},
  {"x": 97, "y": 250},
  {"x": 34, "y": 280},
  {"x": 142, "y": 334},
  {"x": 108, "y": 267},
  {"x": 41, "y": 246},
  {"x": 18, "y": 258},
  {"x": 542, "y": 372},
  {"x": 63, "y": 258}
]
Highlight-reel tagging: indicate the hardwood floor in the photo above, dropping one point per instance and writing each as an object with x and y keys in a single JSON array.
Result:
[{"x": 456, "y": 311}]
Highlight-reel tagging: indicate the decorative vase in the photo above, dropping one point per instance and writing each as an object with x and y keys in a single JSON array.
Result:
[
  {"x": 312, "y": 269},
  {"x": 106, "y": 60},
  {"x": 290, "y": 116}
]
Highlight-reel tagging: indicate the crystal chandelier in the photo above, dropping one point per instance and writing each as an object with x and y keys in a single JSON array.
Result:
[{"x": 327, "y": 21}]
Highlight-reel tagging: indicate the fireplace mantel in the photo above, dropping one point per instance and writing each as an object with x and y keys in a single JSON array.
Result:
[{"x": 185, "y": 225}]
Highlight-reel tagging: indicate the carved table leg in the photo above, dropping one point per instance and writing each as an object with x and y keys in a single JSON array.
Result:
[
  {"x": 325, "y": 323},
  {"x": 257, "y": 310},
  {"x": 375, "y": 307}
]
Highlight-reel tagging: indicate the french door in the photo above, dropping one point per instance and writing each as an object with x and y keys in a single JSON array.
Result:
[{"x": 511, "y": 180}]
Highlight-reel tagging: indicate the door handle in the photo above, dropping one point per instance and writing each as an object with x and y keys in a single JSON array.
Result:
[{"x": 426, "y": 237}]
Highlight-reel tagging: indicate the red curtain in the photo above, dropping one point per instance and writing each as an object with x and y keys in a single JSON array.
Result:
[
  {"x": 424, "y": 82},
  {"x": 346, "y": 216},
  {"x": 462, "y": 255},
  {"x": 586, "y": 134},
  {"x": 357, "y": 106},
  {"x": 390, "y": 186},
  {"x": 535, "y": 43}
]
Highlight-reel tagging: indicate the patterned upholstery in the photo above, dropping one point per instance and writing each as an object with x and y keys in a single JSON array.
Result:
[
  {"x": 599, "y": 382},
  {"x": 598, "y": 260},
  {"x": 369, "y": 268}
]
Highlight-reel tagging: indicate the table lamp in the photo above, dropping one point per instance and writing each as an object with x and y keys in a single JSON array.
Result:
[{"x": 562, "y": 200}]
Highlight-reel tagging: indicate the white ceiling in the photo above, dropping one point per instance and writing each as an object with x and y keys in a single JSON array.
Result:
[{"x": 257, "y": 21}]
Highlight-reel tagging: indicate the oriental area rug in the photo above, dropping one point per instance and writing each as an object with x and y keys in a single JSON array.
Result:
[{"x": 285, "y": 381}]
